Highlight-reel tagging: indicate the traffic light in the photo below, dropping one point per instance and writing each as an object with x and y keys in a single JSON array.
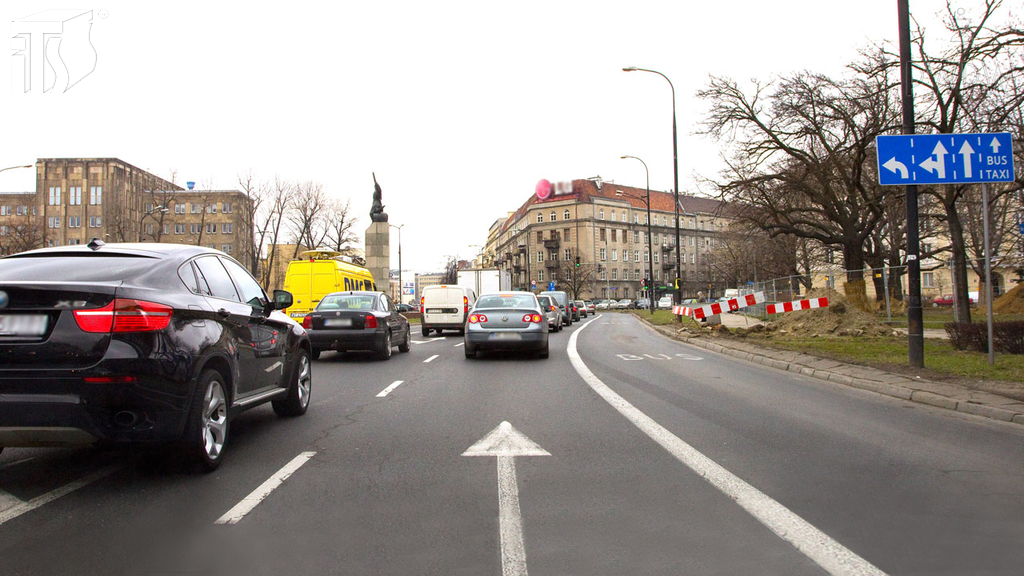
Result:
[
  {"x": 643, "y": 283},
  {"x": 577, "y": 261}
]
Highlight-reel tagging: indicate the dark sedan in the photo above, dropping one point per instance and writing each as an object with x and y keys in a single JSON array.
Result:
[
  {"x": 507, "y": 321},
  {"x": 150, "y": 343},
  {"x": 358, "y": 320}
]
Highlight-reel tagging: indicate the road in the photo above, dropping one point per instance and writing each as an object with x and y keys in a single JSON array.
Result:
[{"x": 663, "y": 458}]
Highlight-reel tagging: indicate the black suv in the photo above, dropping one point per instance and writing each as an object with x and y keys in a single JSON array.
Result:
[{"x": 141, "y": 343}]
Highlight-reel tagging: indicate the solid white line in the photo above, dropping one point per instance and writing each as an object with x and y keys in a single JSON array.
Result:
[
  {"x": 23, "y": 507},
  {"x": 459, "y": 344},
  {"x": 388, "y": 390},
  {"x": 832, "y": 556},
  {"x": 510, "y": 519},
  {"x": 8, "y": 501},
  {"x": 256, "y": 496},
  {"x": 429, "y": 359}
]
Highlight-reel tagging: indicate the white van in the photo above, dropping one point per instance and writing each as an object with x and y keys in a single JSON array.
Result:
[{"x": 445, "y": 307}]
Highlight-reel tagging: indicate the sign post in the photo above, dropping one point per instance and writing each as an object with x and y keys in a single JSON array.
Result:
[{"x": 912, "y": 159}]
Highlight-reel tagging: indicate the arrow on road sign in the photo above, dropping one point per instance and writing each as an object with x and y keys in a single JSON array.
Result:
[
  {"x": 506, "y": 443},
  {"x": 894, "y": 165},
  {"x": 938, "y": 165},
  {"x": 966, "y": 152},
  {"x": 995, "y": 145}
]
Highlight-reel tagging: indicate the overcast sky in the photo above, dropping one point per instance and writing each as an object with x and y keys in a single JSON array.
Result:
[{"x": 459, "y": 108}]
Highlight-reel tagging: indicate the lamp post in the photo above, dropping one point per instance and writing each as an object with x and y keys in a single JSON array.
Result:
[
  {"x": 675, "y": 173},
  {"x": 14, "y": 167},
  {"x": 401, "y": 287},
  {"x": 154, "y": 210},
  {"x": 650, "y": 248}
]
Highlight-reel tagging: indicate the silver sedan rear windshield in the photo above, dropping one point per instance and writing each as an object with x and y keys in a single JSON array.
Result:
[{"x": 507, "y": 301}]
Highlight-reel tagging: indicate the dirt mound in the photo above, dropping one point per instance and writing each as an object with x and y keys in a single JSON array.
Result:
[
  {"x": 1010, "y": 303},
  {"x": 840, "y": 318}
]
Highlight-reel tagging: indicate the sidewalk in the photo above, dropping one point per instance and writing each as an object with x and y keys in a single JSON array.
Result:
[
  {"x": 733, "y": 321},
  {"x": 914, "y": 389}
]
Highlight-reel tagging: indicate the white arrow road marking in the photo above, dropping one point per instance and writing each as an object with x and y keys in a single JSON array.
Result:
[
  {"x": 506, "y": 443},
  {"x": 459, "y": 344},
  {"x": 20, "y": 508},
  {"x": 966, "y": 152},
  {"x": 832, "y": 556},
  {"x": 388, "y": 390},
  {"x": 894, "y": 166},
  {"x": 256, "y": 496},
  {"x": 995, "y": 145},
  {"x": 939, "y": 164},
  {"x": 430, "y": 359}
]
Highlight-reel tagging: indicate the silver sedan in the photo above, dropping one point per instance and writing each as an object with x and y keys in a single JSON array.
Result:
[{"x": 507, "y": 321}]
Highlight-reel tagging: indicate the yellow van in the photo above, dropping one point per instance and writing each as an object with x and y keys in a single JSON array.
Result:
[{"x": 318, "y": 273}]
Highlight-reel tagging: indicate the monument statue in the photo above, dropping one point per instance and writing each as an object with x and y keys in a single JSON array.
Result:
[{"x": 377, "y": 209}]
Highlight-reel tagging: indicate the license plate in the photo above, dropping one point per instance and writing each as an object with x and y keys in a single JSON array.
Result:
[
  {"x": 23, "y": 325},
  {"x": 339, "y": 322},
  {"x": 506, "y": 336}
]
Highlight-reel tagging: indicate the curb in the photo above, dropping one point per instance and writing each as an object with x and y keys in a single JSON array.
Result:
[{"x": 886, "y": 388}]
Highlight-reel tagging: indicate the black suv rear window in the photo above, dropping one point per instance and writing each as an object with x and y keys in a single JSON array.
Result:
[{"x": 79, "y": 267}]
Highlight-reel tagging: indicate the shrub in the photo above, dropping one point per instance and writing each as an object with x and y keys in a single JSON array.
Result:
[{"x": 1008, "y": 337}]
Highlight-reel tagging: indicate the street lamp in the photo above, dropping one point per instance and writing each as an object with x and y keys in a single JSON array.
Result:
[
  {"x": 14, "y": 167},
  {"x": 154, "y": 210},
  {"x": 675, "y": 173},
  {"x": 650, "y": 249},
  {"x": 401, "y": 287}
]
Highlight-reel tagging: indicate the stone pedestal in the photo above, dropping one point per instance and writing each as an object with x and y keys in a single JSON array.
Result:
[{"x": 378, "y": 254}]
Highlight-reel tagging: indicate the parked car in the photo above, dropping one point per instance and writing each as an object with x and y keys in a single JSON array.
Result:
[
  {"x": 581, "y": 307},
  {"x": 142, "y": 343},
  {"x": 642, "y": 304},
  {"x": 577, "y": 314},
  {"x": 403, "y": 308},
  {"x": 507, "y": 321},
  {"x": 665, "y": 303},
  {"x": 602, "y": 305},
  {"x": 357, "y": 321},
  {"x": 445, "y": 307},
  {"x": 552, "y": 311},
  {"x": 946, "y": 300},
  {"x": 590, "y": 306},
  {"x": 626, "y": 304}
]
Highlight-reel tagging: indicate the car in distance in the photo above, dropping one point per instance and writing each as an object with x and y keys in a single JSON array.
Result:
[
  {"x": 665, "y": 302},
  {"x": 602, "y": 305},
  {"x": 590, "y": 306},
  {"x": 142, "y": 343},
  {"x": 445, "y": 307},
  {"x": 366, "y": 321},
  {"x": 626, "y": 304},
  {"x": 507, "y": 321},
  {"x": 562, "y": 299},
  {"x": 581, "y": 307},
  {"x": 553, "y": 312}
]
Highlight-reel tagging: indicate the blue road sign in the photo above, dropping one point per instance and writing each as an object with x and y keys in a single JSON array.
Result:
[
  {"x": 944, "y": 158},
  {"x": 551, "y": 286},
  {"x": 1020, "y": 227}
]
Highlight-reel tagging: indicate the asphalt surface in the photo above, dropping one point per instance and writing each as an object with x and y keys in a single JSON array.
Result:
[{"x": 908, "y": 489}]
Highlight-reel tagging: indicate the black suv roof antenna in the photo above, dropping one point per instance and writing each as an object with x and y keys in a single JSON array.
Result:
[{"x": 96, "y": 244}]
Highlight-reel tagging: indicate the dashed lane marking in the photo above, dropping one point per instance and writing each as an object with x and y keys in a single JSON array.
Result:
[
  {"x": 247, "y": 504},
  {"x": 391, "y": 387},
  {"x": 20, "y": 507},
  {"x": 430, "y": 359}
]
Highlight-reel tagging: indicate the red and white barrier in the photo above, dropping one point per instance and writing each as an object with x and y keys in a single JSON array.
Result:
[
  {"x": 798, "y": 305},
  {"x": 728, "y": 306},
  {"x": 681, "y": 310}
]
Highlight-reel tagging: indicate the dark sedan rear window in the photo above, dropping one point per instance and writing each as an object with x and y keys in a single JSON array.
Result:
[
  {"x": 346, "y": 303},
  {"x": 73, "y": 268}
]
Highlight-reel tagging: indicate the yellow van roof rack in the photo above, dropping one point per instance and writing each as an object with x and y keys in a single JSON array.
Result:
[{"x": 323, "y": 254}]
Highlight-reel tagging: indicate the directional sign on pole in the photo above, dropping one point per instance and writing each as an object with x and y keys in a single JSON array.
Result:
[
  {"x": 1020, "y": 227},
  {"x": 944, "y": 158},
  {"x": 551, "y": 286}
]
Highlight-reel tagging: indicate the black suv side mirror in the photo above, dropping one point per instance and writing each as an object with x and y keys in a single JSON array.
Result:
[{"x": 282, "y": 299}]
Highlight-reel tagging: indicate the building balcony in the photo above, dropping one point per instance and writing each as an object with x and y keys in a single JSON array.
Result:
[
  {"x": 522, "y": 248},
  {"x": 552, "y": 244},
  {"x": 551, "y": 264},
  {"x": 667, "y": 247},
  {"x": 667, "y": 265},
  {"x": 517, "y": 268}
]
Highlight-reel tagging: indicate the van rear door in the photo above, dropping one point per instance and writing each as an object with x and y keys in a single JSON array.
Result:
[{"x": 445, "y": 305}]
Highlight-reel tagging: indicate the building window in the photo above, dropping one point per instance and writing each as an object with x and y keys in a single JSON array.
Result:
[
  {"x": 623, "y": 215},
  {"x": 636, "y": 274},
  {"x": 211, "y": 228},
  {"x": 540, "y": 256},
  {"x": 568, "y": 234},
  {"x": 95, "y": 221},
  {"x": 647, "y": 256},
  {"x": 194, "y": 228},
  {"x": 693, "y": 258},
  {"x": 613, "y": 216},
  {"x": 614, "y": 234},
  {"x": 636, "y": 255},
  {"x": 227, "y": 210},
  {"x": 95, "y": 195},
  {"x": 74, "y": 221},
  {"x": 636, "y": 218},
  {"x": 226, "y": 248},
  {"x": 54, "y": 196},
  {"x": 565, "y": 215},
  {"x": 540, "y": 275},
  {"x": 600, "y": 214},
  {"x": 568, "y": 254},
  {"x": 179, "y": 208},
  {"x": 540, "y": 235},
  {"x": 615, "y": 255},
  {"x": 227, "y": 228},
  {"x": 540, "y": 218},
  {"x": 179, "y": 229},
  {"x": 604, "y": 254},
  {"x": 603, "y": 235},
  {"x": 5, "y": 210},
  {"x": 927, "y": 279},
  {"x": 75, "y": 196},
  {"x": 167, "y": 229},
  {"x": 552, "y": 217},
  {"x": 657, "y": 274},
  {"x": 212, "y": 208},
  {"x": 691, "y": 241},
  {"x": 615, "y": 273},
  {"x": 74, "y": 241}
]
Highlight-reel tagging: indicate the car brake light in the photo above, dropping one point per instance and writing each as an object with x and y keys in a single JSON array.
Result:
[
  {"x": 532, "y": 318},
  {"x": 465, "y": 305},
  {"x": 476, "y": 318},
  {"x": 110, "y": 379},
  {"x": 124, "y": 315},
  {"x": 371, "y": 321},
  {"x": 307, "y": 321},
  {"x": 423, "y": 310}
]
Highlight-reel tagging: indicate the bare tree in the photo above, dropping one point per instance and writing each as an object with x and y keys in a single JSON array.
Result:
[
  {"x": 576, "y": 279},
  {"x": 257, "y": 191},
  {"x": 307, "y": 218},
  {"x": 340, "y": 224},
  {"x": 23, "y": 232},
  {"x": 270, "y": 223},
  {"x": 451, "y": 271}
]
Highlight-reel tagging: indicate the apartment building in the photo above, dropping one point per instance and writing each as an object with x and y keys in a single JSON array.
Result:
[{"x": 605, "y": 225}]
